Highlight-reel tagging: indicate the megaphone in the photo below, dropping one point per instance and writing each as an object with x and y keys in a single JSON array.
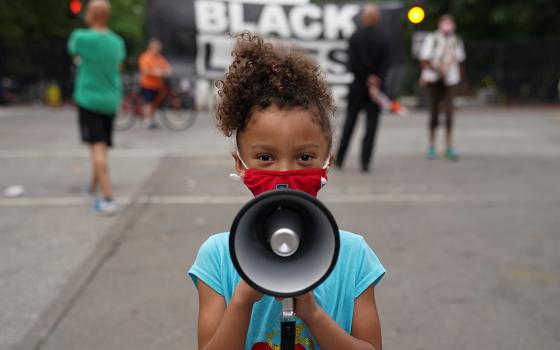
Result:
[{"x": 284, "y": 243}]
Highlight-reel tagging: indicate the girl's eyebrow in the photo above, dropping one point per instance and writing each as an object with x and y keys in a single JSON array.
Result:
[
  {"x": 262, "y": 146},
  {"x": 308, "y": 145},
  {"x": 299, "y": 147}
]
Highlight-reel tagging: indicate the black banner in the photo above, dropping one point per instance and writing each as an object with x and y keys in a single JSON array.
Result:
[{"x": 196, "y": 34}]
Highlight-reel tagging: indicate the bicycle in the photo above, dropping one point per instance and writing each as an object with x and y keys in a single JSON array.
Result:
[{"x": 175, "y": 105}]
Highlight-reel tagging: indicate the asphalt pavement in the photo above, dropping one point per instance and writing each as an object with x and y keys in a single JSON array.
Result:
[{"x": 472, "y": 248}]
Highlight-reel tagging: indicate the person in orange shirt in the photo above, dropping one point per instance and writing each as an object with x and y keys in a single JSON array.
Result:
[{"x": 153, "y": 69}]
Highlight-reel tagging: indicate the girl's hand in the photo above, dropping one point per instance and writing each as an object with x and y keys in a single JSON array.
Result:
[
  {"x": 246, "y": 295},
  {"x": 306, "y": 308}
]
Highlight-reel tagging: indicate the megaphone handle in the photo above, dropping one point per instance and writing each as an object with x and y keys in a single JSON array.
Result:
[
  {"x": 288, "y": 325},
  {"x": 287, "y": 335}
]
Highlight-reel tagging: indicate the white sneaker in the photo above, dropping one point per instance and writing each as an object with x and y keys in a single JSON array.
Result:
[{"x": 105, "y": 207}]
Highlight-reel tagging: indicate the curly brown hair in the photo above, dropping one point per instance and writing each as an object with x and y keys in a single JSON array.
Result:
[{"x": 264, "y": 74}]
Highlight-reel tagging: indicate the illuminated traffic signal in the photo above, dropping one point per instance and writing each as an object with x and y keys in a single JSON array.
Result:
[
  {"x": 75, "y": 8},
  {"x": 416, "y": 14}
]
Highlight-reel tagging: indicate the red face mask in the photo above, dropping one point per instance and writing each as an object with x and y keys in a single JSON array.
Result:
[{"x": 306, "y": 180}]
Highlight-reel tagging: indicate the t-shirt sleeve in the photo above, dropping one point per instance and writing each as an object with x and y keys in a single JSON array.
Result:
[
  {"x": 207, "y": 265},
  {"x": 425, "y": 53},
  {"x": 73, "y": 43},
  {"x": 370, "y": 270},
  {"x": 141, "y": 61},
  {"x": 144, "y": 63}
]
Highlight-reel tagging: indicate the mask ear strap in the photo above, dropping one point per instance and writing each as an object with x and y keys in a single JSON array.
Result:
[
  {"x": 235, "y": 176},
  {"x": 242, "y": 162},
  {"x": 327, "y": 165}
]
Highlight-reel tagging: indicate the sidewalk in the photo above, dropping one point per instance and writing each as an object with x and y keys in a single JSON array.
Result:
[{"x": 471, "y": 248}]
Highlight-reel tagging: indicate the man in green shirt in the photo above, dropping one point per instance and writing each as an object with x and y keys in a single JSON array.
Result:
[{"x": 99, "y": 53}]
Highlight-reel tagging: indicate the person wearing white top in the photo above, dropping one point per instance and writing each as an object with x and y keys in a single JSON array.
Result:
[{"x": 441, "y": 54}]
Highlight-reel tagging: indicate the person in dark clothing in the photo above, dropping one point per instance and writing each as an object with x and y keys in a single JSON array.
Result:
[{"x": 369, "y": 60}]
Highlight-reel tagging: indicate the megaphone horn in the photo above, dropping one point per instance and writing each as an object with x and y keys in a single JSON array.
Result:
[{"x": 284, "y": 243}]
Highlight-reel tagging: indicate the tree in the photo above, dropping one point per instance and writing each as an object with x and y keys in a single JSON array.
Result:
[
  {"x": 498, "y": 19},
  {"x": 25, "y": 29},
  {"x": 33, "y": 35}
]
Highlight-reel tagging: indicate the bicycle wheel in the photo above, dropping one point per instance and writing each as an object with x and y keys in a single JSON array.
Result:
[
  {"x": 177, "y": 112},
  {"x": 125, "y": 117}
]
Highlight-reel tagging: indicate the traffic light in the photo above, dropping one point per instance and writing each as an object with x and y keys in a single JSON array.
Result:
[
  {"x": 416, "y": 14},
  {"x": 74, "y": 8}
]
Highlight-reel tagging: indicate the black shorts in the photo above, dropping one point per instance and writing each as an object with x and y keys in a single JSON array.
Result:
[
  {"x": 96, "y": 127},
  {"x": 149, "y": 95}
]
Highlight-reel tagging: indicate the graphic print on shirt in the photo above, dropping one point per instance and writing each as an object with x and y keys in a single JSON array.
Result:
[{"x": 301, "y": 342}]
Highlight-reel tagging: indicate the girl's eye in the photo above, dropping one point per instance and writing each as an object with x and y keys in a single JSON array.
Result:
[
  {"x": 264, "y": 157},
  {"x": 305, "y": 158}
]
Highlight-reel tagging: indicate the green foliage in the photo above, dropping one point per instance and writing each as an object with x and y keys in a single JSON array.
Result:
[
  {"x": 128, "y": 21},
  {"x": 33, "y": 34},
  {"x": 25, "y": 26},
  {"x": 128, "y": 18},
  {"x": 496, "y": 19},
  {"x": 504, "y": 19}
]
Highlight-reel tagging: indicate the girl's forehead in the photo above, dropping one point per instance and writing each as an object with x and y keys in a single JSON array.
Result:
[
  {"x": 275, "y": 112},
  {"x": 283, "y": 128}
]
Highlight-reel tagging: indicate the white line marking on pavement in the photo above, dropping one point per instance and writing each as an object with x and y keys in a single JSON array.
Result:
[
  {"x": 130, "y": 153},
  {"x": 50, "y": 201},
  {"x": 411, "y": 198},
  {"x": 194, "y": 199},
  {"x": 30, "y": 202},
  {"x": 240, "y": 199}
]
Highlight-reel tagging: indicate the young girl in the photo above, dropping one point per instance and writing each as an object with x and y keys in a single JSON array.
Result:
[{"x": 276, "y": 101}]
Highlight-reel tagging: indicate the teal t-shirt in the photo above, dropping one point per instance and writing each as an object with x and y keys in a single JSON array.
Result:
[
  {"x": 356, "y": 269},
  {"x": 98, "y": 85}
]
